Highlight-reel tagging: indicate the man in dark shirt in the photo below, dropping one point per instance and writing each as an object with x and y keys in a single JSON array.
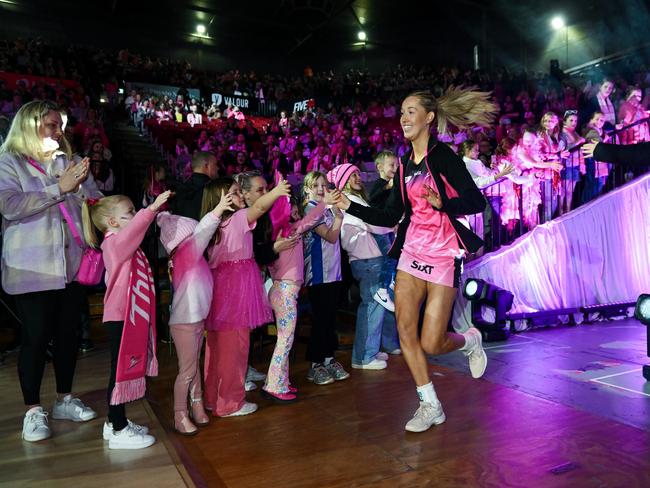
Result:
[{"x": 189, "y": 195}]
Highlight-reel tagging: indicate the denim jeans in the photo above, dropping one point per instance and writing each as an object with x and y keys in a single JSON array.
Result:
[
  {"x": 370, "y": 314},
  {"x": 389, "y": 266}
]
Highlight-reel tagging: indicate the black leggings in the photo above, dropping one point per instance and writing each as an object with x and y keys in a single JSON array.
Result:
[
  {"x": 47, "y": 315},
  {"x": 116, "y": 413},
  {"x": 323, "y": 341}
]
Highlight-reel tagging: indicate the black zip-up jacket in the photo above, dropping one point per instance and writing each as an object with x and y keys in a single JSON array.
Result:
[
  {"x": 441, "y": 161},
  {"x": 189, "y": 196},
  {"x": 630, "y": 155},
  {"x": 378, "y": 194}
]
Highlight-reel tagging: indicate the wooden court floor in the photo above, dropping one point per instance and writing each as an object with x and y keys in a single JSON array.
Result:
[
  {"x": 349, "y": 434},
  {"x": 76, "y": 455}
]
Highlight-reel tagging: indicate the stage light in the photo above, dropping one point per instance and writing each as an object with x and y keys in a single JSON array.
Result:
[
  {"x": 200, "y": 29},
  {"x": 489, "y": 306},
  {"x": 642, "y": 314},
  {"x": 362, "y": 36},
  {"x": 473, "y": 289},
  {"x": 557, "y": 23},
  {"x": 642, "y": 309}
]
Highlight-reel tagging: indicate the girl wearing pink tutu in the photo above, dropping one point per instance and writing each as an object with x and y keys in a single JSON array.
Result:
[{"x": 239, "y": 302}]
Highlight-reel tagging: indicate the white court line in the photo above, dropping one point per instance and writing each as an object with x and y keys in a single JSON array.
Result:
[
  {"x": 510, "y": 344},
  {"x": 621, "y": 388},
  {"x": 503, "y": 345},
  {"x": 616, "y": 374}
]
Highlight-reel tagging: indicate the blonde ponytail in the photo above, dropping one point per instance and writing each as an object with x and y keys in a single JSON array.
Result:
[
  {"x": 460, "y": 106},
  {"x": 89, "y": 232},
  {"x": 95, "y": 215}
]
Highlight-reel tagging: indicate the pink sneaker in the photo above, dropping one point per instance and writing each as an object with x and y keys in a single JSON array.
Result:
[
  {"x": 279, "y": 397},
  {"x": 293, "y": 389}
]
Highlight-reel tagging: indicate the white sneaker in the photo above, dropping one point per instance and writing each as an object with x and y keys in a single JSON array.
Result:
[
  {"x": 253, "y": 375},
  {"x": 246, "y": 409},
  {"x": 395, "y": 352},
  {"x": 381, "y": 296},
  {"x": 425, "y": 416},
  {"x": 375, "y": 364},
  {"x": 35, "y": 426},
  {"x": 382, "y": 356},
  {"x": 250, "y": 386},
  {"x": 129, "y": 438},
  {"x": 108, "y": 428},
  {"x": 475, "y": 352},
  {"x": 72, "y": 409}
]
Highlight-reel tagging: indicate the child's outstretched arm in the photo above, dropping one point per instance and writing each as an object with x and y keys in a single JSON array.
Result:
[
  {"x": 210, "y": 221},
  {"x": 130, "y": 237},
  {"x": 309, "y": 220},
  {"x": 265, "y": 202}
]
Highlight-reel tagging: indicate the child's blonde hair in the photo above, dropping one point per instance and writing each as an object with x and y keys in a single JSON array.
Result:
[
  {"x": 95, "y": 215},
  {"x": 383, "y": 156},
  {"x": 308, "y": 183}
]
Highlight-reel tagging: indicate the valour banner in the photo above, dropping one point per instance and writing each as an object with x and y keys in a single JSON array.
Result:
[
  {"x": 246, "y": 104},
  {"x": 13, "y": 79},
  {"x": 160, "y": 90}
]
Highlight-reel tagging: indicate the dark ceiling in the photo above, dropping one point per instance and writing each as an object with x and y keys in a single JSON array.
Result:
[{"x": 287, "y": 33}]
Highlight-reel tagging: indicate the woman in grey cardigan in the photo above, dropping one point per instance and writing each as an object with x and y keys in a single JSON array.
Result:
[{"x": 40, "y": 257}]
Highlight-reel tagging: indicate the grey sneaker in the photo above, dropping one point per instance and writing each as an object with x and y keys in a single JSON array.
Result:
[
  {"x": 425, "y": 416},
  {"x": 336, "y": 371},
  {"x": 476, "y": 355},
  {"x": 71, "y": 408},
  {"x": 319, "y": 375},
  {"x": 35, "y": 426}
]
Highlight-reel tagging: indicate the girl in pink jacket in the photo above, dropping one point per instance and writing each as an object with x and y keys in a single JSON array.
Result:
[
  {"x": 185, "y": 240},
  {"x": 129, "y": 308}
]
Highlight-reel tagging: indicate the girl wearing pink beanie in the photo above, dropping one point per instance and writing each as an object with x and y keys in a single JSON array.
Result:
[{"x": 366, "y": 260}]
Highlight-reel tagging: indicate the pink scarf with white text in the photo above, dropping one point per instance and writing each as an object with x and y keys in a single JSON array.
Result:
[{"x": 137, "y": 356}]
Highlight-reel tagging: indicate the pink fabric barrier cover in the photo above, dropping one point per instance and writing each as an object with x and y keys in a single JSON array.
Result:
[{"x": 597, "y": 254}]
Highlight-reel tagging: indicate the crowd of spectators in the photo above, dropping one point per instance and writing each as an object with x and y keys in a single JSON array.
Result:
[{"x": 531, "y": 170}]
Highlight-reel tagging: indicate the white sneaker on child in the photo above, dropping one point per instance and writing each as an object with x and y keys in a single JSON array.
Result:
[
  {"x": 74, "y": 409},
  {"x": 382, "y": 297},
  {"x": 250, "y": 386},
  {"x": 129, "y": 438},
  {"x": 35, "y": 426},
  {"x": 475, "y": 353},
  {"x": 253, "y": 375},
  {"x": 425, "y": 416},
  {"x": 375, "y": 364},
  {"x": 246, "y": 409},
  {"x": 108, "y": 428}
]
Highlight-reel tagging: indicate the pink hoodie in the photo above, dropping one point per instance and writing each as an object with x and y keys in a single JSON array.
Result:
[
  {"x": 290, "y": 265},
  {"x": 118, "y": 249}
]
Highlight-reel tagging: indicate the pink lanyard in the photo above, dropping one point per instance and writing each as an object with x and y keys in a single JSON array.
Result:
[{"x": 66, "y": 215}]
